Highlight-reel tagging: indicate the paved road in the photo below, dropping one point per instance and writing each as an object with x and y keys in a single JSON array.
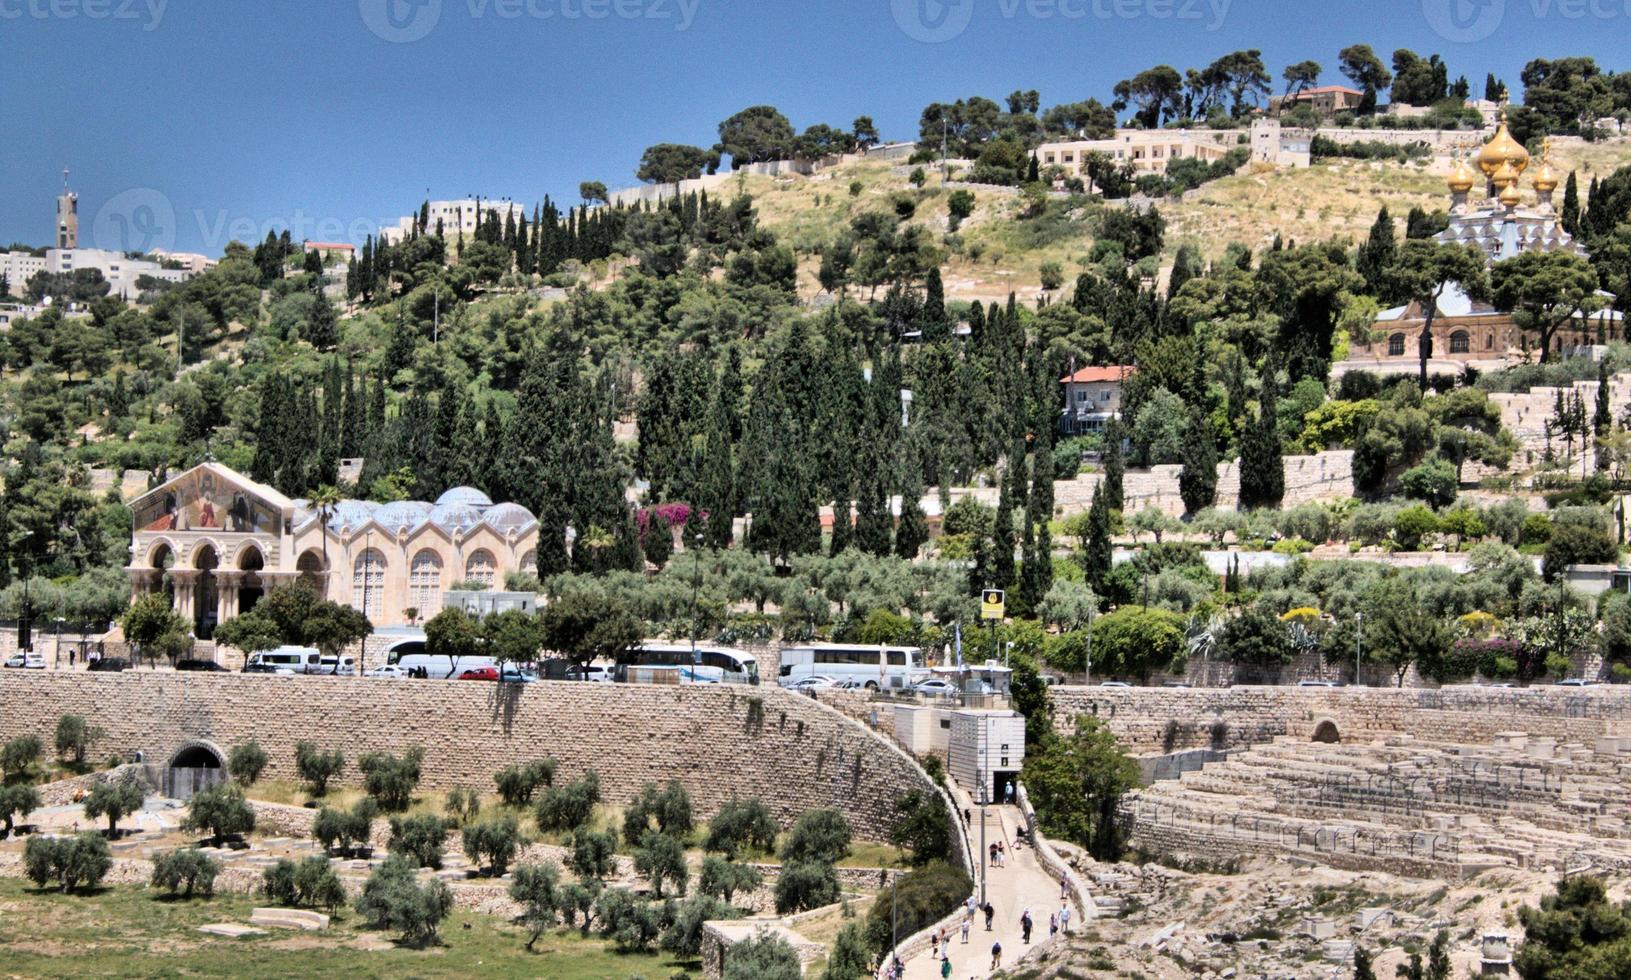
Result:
[{"x": 1021, "y": 882}]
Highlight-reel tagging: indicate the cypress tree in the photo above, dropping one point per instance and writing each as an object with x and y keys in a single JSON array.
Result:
[
  {"x": 716, "y": 479},
  {"x": 873, "y": 519},
  {"x": 1026, "y": 597},
  {"x": 913, "y": 530},
  {"x": 1378, "y": 252},
  {"x": 270, "y": 429},
  {"x": 1198, "y": 482},
  {"x": 935, "y": 325},
  {"x": 1002, "y": 538},
  {"x": 1100, "y": 550},
  {"x": 843, "y": 526},
  {"x": 322, "y": 329},
  {"x": 1115, "y": 466},
  {"x": 1570, "y": 215},
  {"x": 1262, "y": 471},
  {"x": 352, "y": 428}
]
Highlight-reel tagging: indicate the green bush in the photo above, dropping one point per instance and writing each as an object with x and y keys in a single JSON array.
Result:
[
  {"x": 493, "y": 844},
  {"x": 569, "y": 807},
  {"x": 18, "y": 754},
  {"x": 390, "y": 780},
  {"x": 763, "y": 958},
  {"x": 74, "y": 738},
  {"x": 534, "y": 888},
  {"x": 518, "y": 782},
  {"x": 742, "y": 825},
  {"x": 247, "y": 761},
  {"x": 70, "y": 862},
  {"x": 221, "y": 810},
  {"x": 394, "y": 900},
  {"x": 631, "y": 923},
  {"x": 419, "y": 837},
  {"x": 345, "y": 831},
  {"x": 661, "y": 858},
  {"x": 914, "y": 902},
  {"x": 15, "y": 802},
  {"x": 683, "y": 936},
  {"x": 317, "y": 767},
  {"x": 594, "y": 855},
  {"x": 310, "y": 884},
  {"x": 114, "y": 801},
  {"x": 462, "y": 806},
  {"x": 185, "y": 869},
  {"x": 805, "y": 885},
  {"x": 669, "y": 808},
  {"x": 722, "y": 878},
  {"x": 819, "y": 835}
]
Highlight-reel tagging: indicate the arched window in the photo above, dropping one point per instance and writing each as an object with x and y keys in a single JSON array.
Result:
[
  {"x": 312, "y": 572},
  {"x": 368, "y": 583},
  {"x": 481, "y": 568},
  {"x": 1459, "y": 342},
  {"x": 425, "y": 583},
  {"x": 1489, "y": 341},
  {"x": 529, "y": 563},
  {"x": 1395, "y": 345}
]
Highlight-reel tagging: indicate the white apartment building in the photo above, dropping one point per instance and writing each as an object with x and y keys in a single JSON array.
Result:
[
  {"x": 119, "y": 270},
  {"x": 1148, "y": 150},
  {"x": 19, "y": 268},
  {"x": 456, "y": 217}
]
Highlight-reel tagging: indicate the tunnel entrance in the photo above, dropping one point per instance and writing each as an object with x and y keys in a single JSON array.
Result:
[
  {"x": 195, "y": 768},
  {"x": 1326, "y": 732}
]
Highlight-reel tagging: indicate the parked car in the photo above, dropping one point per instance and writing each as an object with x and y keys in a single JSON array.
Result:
[
  {"x": 480, "y": 674},
  {"x": 1114, "y": 684},
  {"x": 16, "y": 660},
  {"x": 513, "y": 675},
  {"x": 1576, "y": 682},
  {"x": 281, "y": 671},
  {"x": 390, "y": 670},
  {"x": 1319, "y": 683},
  {"x": 849, "y": 685},
  {"x": 111, "y": 665},
  {"x": 34, "y": 661},
  {"x": 937, "y": 688},
  {"x": 813, "y": 682},
  {"x": 204, "y": 666}
]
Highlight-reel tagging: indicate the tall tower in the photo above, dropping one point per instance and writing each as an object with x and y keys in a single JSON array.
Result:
[{"x": 67, "y": 216}]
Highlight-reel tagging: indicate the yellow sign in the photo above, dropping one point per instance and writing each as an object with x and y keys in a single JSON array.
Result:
[{"x": 993, "y": 604}]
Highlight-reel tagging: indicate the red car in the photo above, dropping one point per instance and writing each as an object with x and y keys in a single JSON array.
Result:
[{"x": 480, "y": 674}]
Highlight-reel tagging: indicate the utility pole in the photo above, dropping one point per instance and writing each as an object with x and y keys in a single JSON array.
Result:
[
  {"x": 984, "y": 855},
  {"x": 1359, "y": 629},
  {"x": 1088, "y": 679},
  {"x": 696, "y": 585}
]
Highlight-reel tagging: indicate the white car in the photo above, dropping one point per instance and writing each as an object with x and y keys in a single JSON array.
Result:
[
  {"x": 814, "y": 682},
  {"x": 389, "y": 670},
  {"x": 937, "y": 688},
  {"x": 1114, "y": 684},
  {"x": 34, "y": 661},
  {"x": 594, "y": 673},
  {"x": 15, "y": 660}
]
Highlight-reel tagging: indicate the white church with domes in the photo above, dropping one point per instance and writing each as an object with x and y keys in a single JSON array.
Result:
[{"x": 215, "y": 541}]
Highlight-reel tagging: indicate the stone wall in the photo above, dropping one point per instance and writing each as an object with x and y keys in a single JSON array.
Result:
[
  {"x": 1150, "y": 721},
  {"x": 790, "y": 751}
]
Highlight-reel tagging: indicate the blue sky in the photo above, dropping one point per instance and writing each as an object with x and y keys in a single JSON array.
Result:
[{"x": 237, "y": 115}]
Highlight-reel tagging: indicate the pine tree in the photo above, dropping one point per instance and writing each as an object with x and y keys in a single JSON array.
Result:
[
  {"x": 322, "y": 329},
  {"x": 1262, "y": 470},
  {"x": 1115, "y": 466},
  {"x": 1570, "y": 215},
  {"x": 1002, "y": 539},
  {"x": 935, "y": 325},
  {"x": 1198, "y": 482},
  {"x": 1099, "y": 554},
  {"x": 1378, "y": 252},
  {"x": 913, "y": 530},
  {"x": 716, "y": 478}
]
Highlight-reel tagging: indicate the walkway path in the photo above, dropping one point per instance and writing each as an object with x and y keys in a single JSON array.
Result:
[{"x": 1020, "y": 883}]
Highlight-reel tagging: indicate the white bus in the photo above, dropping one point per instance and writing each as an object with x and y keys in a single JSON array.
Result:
[
  {"x": 410, "y": 655},
  {"x": 299, "y": 660},
  {"x": 712, "y": 664},
  {"x": 876, "y": 667}
]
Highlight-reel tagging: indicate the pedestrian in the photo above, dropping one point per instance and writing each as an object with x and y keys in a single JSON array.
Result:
[
  {"x": 993, "y": 850},
  {"x": 1009, "y": 792},
  {"x": 945, "y": 969},
  {"x": 1025, "y": 925},
  {"x": 971, "y": 906},
  {"x": 1053, "y": 925},
  {"x": 1064, "y": 888},
  {"x": 1064, "y": 917},
  {"x": 996, "y": 955},
  {"x": 967, "y": 817},
  {"x": 965, "y": 929},
  {"x": 990, "y": 912}
]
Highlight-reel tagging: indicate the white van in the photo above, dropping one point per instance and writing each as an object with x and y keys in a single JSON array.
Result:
[{"x": 285, "y": 660}]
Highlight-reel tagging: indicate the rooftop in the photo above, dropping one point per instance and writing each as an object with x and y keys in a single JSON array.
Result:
[{"x": 1090, "y": 375}]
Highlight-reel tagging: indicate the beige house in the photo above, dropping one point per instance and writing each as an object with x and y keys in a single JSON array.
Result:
[
  {"x": 1327, "y": 100},
  {"x": 1148, "y": 150},
  {"x": 216, "y": 541},
  {"x": 1092, "y": 398}
]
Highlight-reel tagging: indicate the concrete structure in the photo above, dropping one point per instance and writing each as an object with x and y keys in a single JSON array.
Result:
[
  {"x": 986, "y": 749},
  {"x": 122, "y": 272},
  {"x": 19, "y": 268},
  {"x": 456, "y": 218},
  {"x": 1092, "y": 398},
  {"x": 1147, "y": 151},
  {"x": 1327, "y": 100},
  {"x": 193, "y": 262},
  {"x": 336, "y": 251},
  {"x": 67, "y": 216},
  {"x": 215, "y": 541}
]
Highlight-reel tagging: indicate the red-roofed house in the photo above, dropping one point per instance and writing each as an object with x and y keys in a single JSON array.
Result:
[{"x": 1092, "y": 398}]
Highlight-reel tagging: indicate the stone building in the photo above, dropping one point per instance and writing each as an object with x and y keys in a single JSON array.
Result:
[{"x": 216, "y": 541}]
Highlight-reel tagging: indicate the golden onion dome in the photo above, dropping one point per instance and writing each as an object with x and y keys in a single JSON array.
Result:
[
  {"x": 1502, "y": 149},
  {"x": 1506, "y": 175},
  {"x": 1546, "y": 179},
  {"x": 1462, "y": 177},
  {"x": 1510, "y": 196}
]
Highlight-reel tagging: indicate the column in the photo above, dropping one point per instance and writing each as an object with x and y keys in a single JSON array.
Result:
[
  {"x": 186, "y": 584},
  {"x": 227, "y": 583}
]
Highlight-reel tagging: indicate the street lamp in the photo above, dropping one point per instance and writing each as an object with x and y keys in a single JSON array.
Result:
[
  {"x": 1088, "y": 678},
  {"x": 56, "y": 655},
  {"x": 984, "y": 855},
  {"x": 696, "y": 586},
  {"x": 1359, "y": 630}
]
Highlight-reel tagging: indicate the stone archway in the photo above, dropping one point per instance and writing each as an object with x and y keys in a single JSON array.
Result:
[
  {"x": 195, "y": 767},
  {"x": 205, "y": 599},
  {"x": 250, "y": 586},
  {"x": 1327, "y": 733}
]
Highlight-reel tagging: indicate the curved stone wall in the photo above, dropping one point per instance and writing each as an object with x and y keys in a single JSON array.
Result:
[{"x": 720, "y": 742}]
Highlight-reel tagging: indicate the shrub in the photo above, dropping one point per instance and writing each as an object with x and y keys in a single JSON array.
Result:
[
  {"x": 819, "y": 835},
  {"x": 221, "y": 810},
  {"x": 593, "y": 855},
  {"x": 71, "y": 862},
  {"x": 390, "y": 780},
  {"x": 722, "y": 878},
  {"x": 661, "y": 858},
  {"x": 533, "y": 888},
  {"x": 185, "y": 869},
  {"x": 1413, "y": 524},
  {"x": 805, "y": 885},
  {"x": 247, "y": 761},
  {"x": 312, "y": 883},
  {"x": 18, "y": 754},
  {"x": 462, "y": 806},
  {"x": 919, "y": 899},
  {"x": 922, "y": 826},
  {"x": 114, "y": 801},
  {"x": 1434, "y": 482},
  {"x": 16, "y": 801},
  {"x": 683, "y": 937},
  {"x": 632, "y": 924},
  {"x": 419, "y": 837},
  {"x": 74, "y": 738},
  {"x": 741, "y": 825},
  {"x": 849, "y": 957},
  {"x": 342, "y": 830},
  {"x": 670, "y": 807},
  {"x": 394, "y": 900},
  {"x": 317, "y": 767},
  {"x": 518, "y": 782},
  {"x": 577, "y": 900},
  {"x": 762, "y": 958},
  {"x": 493, "y": 843},
  {"x": 569, "y": 807}
]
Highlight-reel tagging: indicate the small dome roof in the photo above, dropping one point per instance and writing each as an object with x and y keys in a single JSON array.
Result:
[
  {"x": 350, "y": 513},
  {"x": 401, "y": 515},
  {"x": 1462, "y": 178},
  {"x": 507, "y": 517},
  {"x": 469, "y": 496},
  {"x": 455, "y": 517},
  {"x": 1503, "y": 149}
]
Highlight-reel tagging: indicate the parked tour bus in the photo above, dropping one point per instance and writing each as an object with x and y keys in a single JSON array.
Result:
[
  {"x": 409, "y": 654},
  {"x": 711, "y": 665},
  {"x": 876, "y": 667}
]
